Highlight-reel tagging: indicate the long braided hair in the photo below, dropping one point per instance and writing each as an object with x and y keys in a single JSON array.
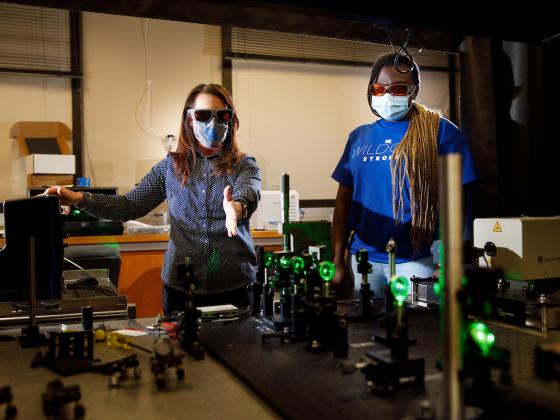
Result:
[{"x": 415, "y": 158}]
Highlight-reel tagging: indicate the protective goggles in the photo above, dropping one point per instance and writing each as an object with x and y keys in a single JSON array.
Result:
[
  {"x": 396, "y": 89},
  {"x": 223, "y": 116}
]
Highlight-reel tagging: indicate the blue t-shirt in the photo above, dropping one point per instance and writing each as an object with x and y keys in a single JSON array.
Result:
[{"x": 365, "y": 168}]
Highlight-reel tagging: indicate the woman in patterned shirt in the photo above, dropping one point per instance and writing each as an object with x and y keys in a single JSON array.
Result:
[{"x": 211, "y": 188}]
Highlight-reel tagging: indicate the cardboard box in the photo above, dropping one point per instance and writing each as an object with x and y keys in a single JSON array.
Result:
[
  {"x": 25, "y": 131},
  {"x": 50, "y": 164}
]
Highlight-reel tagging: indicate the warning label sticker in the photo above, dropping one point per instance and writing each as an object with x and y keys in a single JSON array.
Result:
[{"x": 497, "y": 227}]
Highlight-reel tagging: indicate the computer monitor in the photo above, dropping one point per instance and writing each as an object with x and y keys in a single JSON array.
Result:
[{"x": 39, "y": 218}]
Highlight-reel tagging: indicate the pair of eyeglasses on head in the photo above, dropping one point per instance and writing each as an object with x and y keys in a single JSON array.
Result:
[
  {"x": 396, "y": 89},
  {"x": 224, "y": 115}
]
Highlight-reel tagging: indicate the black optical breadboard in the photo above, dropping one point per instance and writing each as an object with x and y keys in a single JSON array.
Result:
[{"x": 298, "y": 384}]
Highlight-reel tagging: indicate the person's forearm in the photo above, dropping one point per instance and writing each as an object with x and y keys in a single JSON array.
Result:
[
  {"x": 248, "y": 185},
  {"x": 340, "y": 238},
  {"x": 340, "y": 230},
  {"x": 111, "y": 207}
]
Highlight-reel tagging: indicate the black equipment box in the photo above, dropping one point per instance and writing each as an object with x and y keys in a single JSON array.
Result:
[{"x": 80, "y": 223}]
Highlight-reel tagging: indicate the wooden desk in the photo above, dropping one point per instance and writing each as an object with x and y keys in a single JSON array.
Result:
[
  {"x": 141, "y": 262},
  {"x": 267, "y": 238}
]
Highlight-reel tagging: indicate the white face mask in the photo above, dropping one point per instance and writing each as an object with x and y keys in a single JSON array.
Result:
[{"x": 389, "y": 107}]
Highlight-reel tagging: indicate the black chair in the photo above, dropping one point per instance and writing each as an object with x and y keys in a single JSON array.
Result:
[{"x": 95, "y": 256}]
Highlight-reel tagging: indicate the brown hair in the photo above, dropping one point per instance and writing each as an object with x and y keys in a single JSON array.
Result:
[{"x": 185, "y": 155}]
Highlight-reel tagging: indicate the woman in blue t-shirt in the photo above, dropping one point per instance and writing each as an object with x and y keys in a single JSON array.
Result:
[{"x": 387, "y": 177}]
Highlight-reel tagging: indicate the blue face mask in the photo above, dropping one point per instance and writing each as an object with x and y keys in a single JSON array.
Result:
[
  {"x": 210, "y": 134},
  {"x": 389, "y": 107}
]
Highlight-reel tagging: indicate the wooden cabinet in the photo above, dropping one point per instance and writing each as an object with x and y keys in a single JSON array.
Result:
[{"x": 140, "y": 280}]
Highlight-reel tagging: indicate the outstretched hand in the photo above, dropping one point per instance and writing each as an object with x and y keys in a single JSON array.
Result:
[
  {"x": 66, "y": 196},
  {"x": 231, "y": 213}
]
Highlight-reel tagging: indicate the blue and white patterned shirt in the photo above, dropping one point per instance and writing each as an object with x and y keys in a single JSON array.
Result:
[{"x": 197, "y": 220}]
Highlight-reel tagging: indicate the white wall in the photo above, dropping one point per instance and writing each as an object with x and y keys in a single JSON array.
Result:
[
  {"x": 181, "y": 55},
  {"x": 27, "y": 98},
  {"x": 296, "y": 118}
]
